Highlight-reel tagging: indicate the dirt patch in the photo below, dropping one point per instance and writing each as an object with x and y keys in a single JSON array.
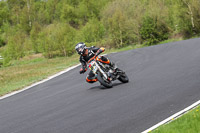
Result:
[
  {"x": 33, "y": 56},
  {"x": 177, "y": 36}
]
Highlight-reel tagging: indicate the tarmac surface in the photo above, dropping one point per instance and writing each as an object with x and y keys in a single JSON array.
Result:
[{"x": 164, "y": 79}]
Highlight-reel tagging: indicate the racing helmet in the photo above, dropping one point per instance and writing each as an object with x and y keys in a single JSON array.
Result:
[{"x": 80, "y": 48}]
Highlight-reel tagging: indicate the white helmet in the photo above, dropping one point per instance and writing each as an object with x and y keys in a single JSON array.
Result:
[{"x": 80, "y": 48}]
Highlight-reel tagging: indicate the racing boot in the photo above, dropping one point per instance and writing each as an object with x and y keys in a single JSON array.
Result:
[
  {"x": 110, "y": 75},
  {"x": 114, "y": 67},
  {"x": 113, "y": 71}
]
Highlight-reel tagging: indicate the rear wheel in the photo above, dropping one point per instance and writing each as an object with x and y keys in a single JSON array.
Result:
[
  {"x": 103, "y": 81},
  {"x": 123, "y": 78}
]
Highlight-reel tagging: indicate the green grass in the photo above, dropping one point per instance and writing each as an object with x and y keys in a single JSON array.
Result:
[
  {"x": 188, "y": 123},
  {"x": 125, "y": 48},
  {"x": 170, "y": 40},
  {"x": 27, "y": 71}
]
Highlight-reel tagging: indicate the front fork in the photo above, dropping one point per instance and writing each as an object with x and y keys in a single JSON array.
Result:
[{"x": 102, "y": 72}]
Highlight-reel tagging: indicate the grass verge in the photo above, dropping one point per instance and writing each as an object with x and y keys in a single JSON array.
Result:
[
  {"x": 188, "y": 123},
  {"x": 27, "y": 71}
]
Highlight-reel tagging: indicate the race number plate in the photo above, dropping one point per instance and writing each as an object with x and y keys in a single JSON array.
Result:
[{"x": 93, "y": 66}]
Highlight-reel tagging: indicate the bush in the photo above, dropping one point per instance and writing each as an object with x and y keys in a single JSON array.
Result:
[
  {"x": 2, "y": 38},
  {"x": 93, "y": 31},
  {"x": 122, "y": 19},
  {"x": 152, "y": 32},
  {"x": 1, "y": 62},
  {"x": 57, "y": 40},
  {"x": 15, "y": 47},
  {"x": 34, "y": 34},
  {"x": 2, "y": 43}
]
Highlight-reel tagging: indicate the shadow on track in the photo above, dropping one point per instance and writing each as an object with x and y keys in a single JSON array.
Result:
[{"x": 104, "y": 88}]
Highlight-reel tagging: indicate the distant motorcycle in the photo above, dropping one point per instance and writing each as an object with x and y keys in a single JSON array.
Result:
[{"x": 105, "y": 73}]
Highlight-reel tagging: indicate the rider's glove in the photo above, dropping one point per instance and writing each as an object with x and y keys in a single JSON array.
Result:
[
  {"x": 100, "y": 51},
  {"x": 82, "y": 70}
]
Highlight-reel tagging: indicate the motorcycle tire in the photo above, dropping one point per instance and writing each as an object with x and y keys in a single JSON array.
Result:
[
  {"x": 123, "y": 78},
  {"x": 103, "y": 82}
]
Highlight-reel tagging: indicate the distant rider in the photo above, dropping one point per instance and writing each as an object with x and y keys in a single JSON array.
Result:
[{"x": 86, "y": 53}]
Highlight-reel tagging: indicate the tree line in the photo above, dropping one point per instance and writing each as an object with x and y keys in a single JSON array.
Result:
[{"x": 53, "y": 27}]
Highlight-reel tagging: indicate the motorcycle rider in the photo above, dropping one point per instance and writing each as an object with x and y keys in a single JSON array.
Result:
[{"x": 86, "y": 53}]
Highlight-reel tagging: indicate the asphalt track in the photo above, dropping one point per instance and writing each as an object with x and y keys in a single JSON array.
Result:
[{"x": 164, "y": 79}]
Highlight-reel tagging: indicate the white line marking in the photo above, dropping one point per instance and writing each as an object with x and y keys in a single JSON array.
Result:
[
  {"x": 173, "y": 117},
  {"x": 40, "y": 82}
]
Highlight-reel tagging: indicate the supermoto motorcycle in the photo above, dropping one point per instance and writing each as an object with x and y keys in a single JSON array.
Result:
[{"x": 105, "y": 73}]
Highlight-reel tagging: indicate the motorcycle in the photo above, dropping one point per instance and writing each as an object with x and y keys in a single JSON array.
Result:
[{"x": 106, "y": 74}]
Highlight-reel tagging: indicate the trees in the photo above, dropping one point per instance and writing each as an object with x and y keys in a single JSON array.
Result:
[
  {"x": 4, "y": 13},
  {"x": 15, "y": 48},
  {"x": 150, "y": 21},
  {"x": 122, "y": 19},
  {"x": 56, "y": 40},
  {"x": 154, "y": 26},
  {"x": 152, "y": 31},
  {"x": 53, "y": 27},
  {"x": 193, "y": 13},
  {"x": 4, "y": 18},
  {"x": 93, "y": 31},
  {"x": 183, "y": 16}
]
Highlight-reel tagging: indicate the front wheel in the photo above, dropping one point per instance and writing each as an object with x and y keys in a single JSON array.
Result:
[{"x": 105, "y": 82}]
